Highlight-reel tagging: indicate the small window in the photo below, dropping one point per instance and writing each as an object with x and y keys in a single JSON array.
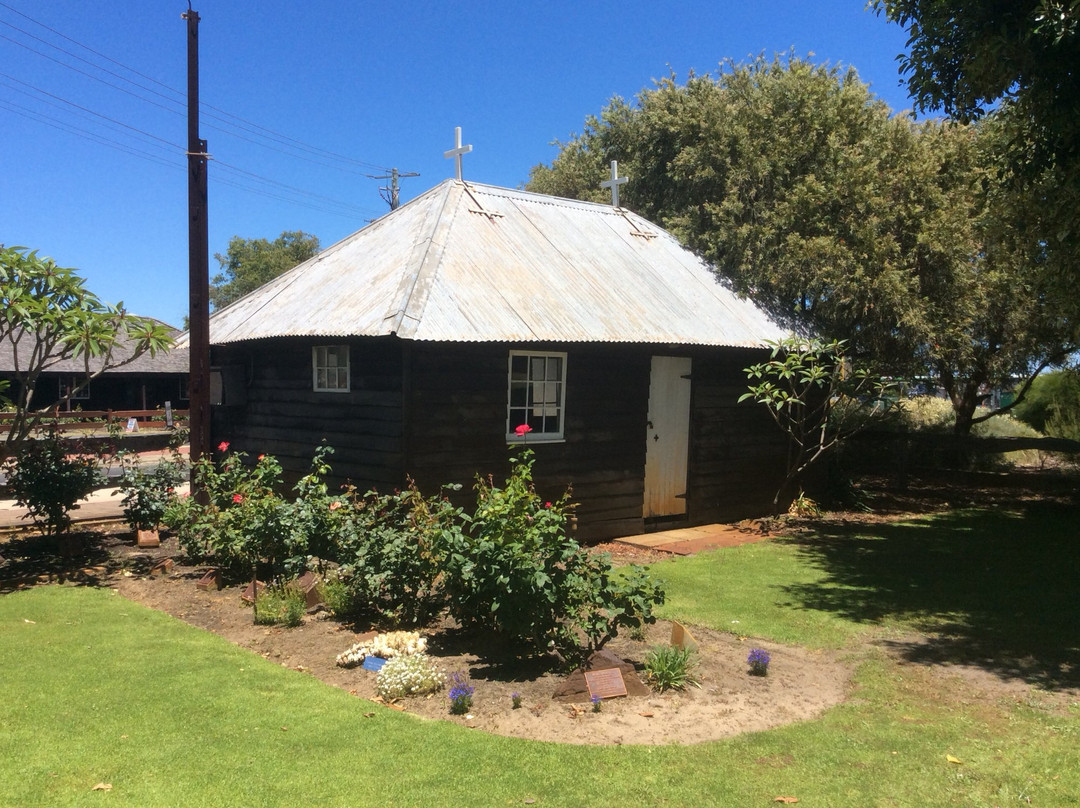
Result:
[
  {"x": 537, "y": 395},
  {"x": 330, "y": 368},
  {"x": 70, "y": 384}
]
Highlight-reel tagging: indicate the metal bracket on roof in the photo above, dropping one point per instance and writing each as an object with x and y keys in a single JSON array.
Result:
[
  {"x": 635, "y": 230},
  {"x": 491, "y": 214}
]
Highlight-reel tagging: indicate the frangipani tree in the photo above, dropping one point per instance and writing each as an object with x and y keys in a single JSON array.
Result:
[
  {"x": 47, "y": 315},
  {"x": 818, "y": 398}
]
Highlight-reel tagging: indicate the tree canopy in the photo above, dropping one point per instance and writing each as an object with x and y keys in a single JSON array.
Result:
[
  {"x": 807, "y": 194},
  {"x": 47, "y": 315},
  {"x": 1022, "y": 56},
  {"x": 249, "y": 263}
]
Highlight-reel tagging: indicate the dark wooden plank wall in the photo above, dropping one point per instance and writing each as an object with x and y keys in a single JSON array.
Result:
[
  {"x": 113, "y": 391},
  {"x": 284, "y": 417},
  {"x": 437, "y": 412},
  {"x": 457, "y": 419},
  {"x": 737, "y": 452}
]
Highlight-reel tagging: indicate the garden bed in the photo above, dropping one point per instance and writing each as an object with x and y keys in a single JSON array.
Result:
[{"x": 801, "y": 684}]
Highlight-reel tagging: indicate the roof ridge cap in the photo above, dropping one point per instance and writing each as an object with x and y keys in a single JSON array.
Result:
[{"x": 425, "y": 255}]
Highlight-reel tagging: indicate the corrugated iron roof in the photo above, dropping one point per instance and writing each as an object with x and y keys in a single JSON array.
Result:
[{"x": 465, "y": 263}]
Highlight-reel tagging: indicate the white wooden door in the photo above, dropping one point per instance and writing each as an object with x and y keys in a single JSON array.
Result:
[{"x": 667, "y": 436}]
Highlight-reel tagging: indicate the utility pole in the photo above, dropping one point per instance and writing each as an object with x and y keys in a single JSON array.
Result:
[
  {"x": 198, "y": 256},
  {"x": 390, "y": 194}
]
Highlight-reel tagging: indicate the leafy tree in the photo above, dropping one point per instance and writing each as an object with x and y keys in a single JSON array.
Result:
[
  {"x": 249, "y": 263},
  {"x": 967, "y": 54},
  {"x": 47, "y": 315},
  {"x": 1022, "y": 56},
  {"x": 818, "y": 398},
  {"x": 800, "y": 187}
]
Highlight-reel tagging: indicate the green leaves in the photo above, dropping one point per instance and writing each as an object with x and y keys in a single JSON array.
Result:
[
  {"x": 48, "y": 315},
  {"x": 816, "y": 396},
  {"x": 249, "y": 263}
]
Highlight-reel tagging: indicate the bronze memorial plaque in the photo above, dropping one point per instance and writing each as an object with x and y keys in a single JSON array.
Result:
[{"x": 606, "y": 683}]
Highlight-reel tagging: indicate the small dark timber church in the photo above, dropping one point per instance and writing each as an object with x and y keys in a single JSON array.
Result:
[{"x": 417, "y": 345}]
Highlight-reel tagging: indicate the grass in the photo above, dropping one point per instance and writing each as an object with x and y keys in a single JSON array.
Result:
[{"x": 97, "y": 689}]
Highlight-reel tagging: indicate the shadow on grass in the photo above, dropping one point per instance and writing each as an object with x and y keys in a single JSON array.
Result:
[
  {"x": 999, "y": 589},
  {"x": 77, "y": 557}
]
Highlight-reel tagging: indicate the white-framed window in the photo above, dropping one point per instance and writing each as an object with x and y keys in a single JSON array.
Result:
[
  {"x": 330, "y": 368},
  {"x": 536, "y": 395}
]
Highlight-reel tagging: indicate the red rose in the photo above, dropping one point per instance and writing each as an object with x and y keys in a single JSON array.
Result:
[
  {"x": 522, "y": 430},
  {"x": 237, "y": 498},
  {"x": 223, "y": 446}
]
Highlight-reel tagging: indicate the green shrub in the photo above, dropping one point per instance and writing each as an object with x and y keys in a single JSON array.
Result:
[
  {"x": 49, "y": 475},
  {"x": 391, "y": 548},
  {"x": 1052, "y": 404},
  {"x": 516, "y": 574},
  {"x": 668, "y": 667},
  {"x": 408, "y": 675},
  {"x": 147, "y": 494},
  {"x": 337, "y": 597},
  {"x": 245, "y": 521}
]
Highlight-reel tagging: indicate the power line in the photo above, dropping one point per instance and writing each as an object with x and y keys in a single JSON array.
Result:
[
  {"x": 230, "y": 125},
  {"x": 88, "y": 110},
  {"x": 288, "y": 193},
  {"x": 223, "y": 116}
]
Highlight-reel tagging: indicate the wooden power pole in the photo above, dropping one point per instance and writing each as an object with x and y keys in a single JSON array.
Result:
[{"x": 198, "y": 256}]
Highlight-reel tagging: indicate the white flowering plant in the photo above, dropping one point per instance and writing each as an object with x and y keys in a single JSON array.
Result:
[
  {"x": 388, "y": 645},
  {"x": 411, "y": 675}
]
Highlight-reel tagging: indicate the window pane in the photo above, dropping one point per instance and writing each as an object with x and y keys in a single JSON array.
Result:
[{"x": 535, "y": 394}]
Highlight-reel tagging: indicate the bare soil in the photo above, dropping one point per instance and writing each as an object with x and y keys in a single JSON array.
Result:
[{"x": 801, "y": 684}]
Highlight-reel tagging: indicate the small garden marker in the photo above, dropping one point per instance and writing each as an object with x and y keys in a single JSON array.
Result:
[{"x": 606, "y": 683}]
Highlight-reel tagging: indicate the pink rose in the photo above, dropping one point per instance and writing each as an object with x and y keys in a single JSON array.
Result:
[
  {"x": 223, "y": 446},
  {"x": 522, "y": 430},
  {"x": 237, "y": 498}
]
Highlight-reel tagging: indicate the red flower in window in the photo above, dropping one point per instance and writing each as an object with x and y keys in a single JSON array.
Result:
[
  {"x": 261, "y": 456},
  {"x": 223, "y": 446},
  {"x": 237, "y": 498},
  {"x": 521, "y": 430}
]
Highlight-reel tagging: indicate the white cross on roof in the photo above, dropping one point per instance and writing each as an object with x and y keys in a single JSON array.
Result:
[
  {"x": 614, "y": 183},
  {"x": 457, "y": 151}
]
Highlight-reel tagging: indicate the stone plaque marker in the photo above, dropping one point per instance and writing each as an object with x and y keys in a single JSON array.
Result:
[
  {"x": 308, "y": 585},
  {"x": 681, "y": 637},
  {"x": 211, "y": 580},
  {"x": 147, "y": 538},
  {"x": 248, "y": 595},
  {"x": 606, "y": 684},
  {"x": 163, "y": 567}
]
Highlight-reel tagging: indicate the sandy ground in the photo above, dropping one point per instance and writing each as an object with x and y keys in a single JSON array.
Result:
[{"x": 801, "y": 684}]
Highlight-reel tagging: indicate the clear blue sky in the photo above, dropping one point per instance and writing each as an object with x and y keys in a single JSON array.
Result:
[{"x": 381, "y": 84}]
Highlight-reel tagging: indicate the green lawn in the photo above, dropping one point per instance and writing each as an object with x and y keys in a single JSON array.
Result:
[{"x": 97, "y": 689}]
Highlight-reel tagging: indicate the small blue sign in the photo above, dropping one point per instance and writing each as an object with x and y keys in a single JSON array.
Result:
[{"x": 373, "y": 663}]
